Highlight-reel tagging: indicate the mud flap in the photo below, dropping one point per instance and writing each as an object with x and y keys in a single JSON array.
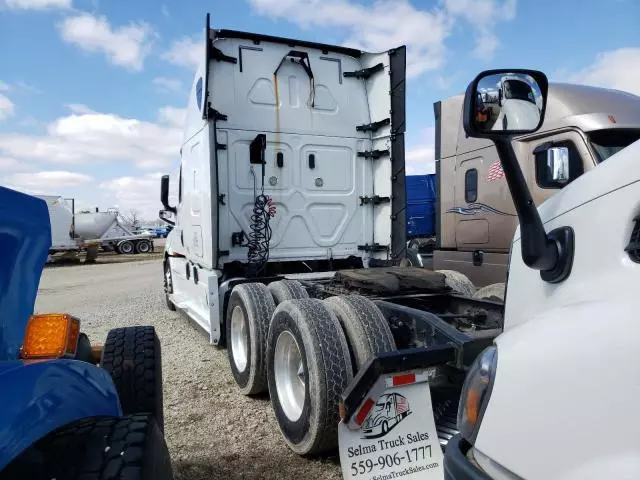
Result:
[{"x": 393, "y": 433}]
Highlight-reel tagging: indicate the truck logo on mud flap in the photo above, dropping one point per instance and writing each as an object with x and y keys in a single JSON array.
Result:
[{"x": 389, "y": 411}]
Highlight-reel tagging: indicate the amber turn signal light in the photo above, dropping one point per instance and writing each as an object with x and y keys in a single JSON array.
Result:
[{"x": 51, "y": 335}]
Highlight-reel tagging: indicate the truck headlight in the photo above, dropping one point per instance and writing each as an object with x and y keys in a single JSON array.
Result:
[{"x": 476, "y": 391}]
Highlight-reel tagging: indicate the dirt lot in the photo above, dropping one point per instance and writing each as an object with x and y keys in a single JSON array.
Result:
[{"x": 212, "y": 431}]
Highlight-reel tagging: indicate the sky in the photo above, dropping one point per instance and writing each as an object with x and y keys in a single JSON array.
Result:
[{"x": 93, "y": 92}]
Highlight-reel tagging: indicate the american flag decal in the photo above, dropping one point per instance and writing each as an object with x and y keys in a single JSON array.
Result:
[
  {"x": 402, "y": 404},
  {"x": 495, "y": 171}
]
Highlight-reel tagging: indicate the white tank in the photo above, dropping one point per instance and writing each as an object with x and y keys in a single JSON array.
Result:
[
  {"x": 61, "y": 219},
  {"x": 90, "y": 226}
]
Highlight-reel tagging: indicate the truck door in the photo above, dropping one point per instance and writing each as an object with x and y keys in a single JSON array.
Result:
[{"x": 485, "y": 215}]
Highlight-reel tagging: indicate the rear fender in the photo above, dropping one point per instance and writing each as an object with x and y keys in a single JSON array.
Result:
[{"x": 38, "y": 398}]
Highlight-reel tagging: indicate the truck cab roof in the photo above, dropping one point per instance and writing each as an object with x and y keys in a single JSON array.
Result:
[{"x": 568, "y": 105}]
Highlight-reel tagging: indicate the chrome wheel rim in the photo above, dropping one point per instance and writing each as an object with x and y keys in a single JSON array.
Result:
[
  {"x": 144, "y": 247},
  {"x": 239, "y": 339},
  {"x": 289, "y": 376},
  {"x": 167, "y": 280}
]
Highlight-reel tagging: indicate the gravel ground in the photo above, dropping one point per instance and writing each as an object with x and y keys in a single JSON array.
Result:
[{"x": 212, "y": 431}]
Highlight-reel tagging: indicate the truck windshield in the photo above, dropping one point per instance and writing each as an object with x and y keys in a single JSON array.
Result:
[
  {"x": 609, "y": 142},
  {"x": 517, "y": 90}
]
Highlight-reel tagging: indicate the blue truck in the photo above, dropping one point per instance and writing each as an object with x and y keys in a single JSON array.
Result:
[
  {"x": 69, "y": 409},
  {"x": 421, "y": 219},
  {"x": 421, "y": 200}
]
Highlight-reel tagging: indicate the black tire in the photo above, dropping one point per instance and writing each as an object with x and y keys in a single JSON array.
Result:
[
  {"x": 494, "y": 292},
  {"x": 326, "y": 367},
  {"x": 255, "y": 303},
  {"x": 287, "y": 290},
  {"x": 458, "y": 282},
  {"x": 385, "y": 427},
  {"x": 131, "y": 447},
  {"x": 143, "y": 246},
  {"x": 168, "y": 286},
  {"x": 132, "y": 357},
  {"x": 125, "y": 247},
  {"x": 364, "y": 325}
]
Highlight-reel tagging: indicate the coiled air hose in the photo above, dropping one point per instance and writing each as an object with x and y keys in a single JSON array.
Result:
[{"x": 259, "y": 230}]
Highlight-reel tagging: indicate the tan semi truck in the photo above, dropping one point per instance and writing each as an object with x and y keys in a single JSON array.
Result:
[{"x": 475, "y": 216}]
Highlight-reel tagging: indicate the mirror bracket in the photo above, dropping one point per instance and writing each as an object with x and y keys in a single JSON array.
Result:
[
  {"x": 564, "y": 239},
  {"x": 164, "y": 195},
  {"x": 162, "y": 216},
  {"x": 538, "y": 250}
]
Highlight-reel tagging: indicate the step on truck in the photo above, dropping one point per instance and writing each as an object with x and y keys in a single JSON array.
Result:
[
  {"x": 289, "y": 229},
  {"x": 475, "y": 214}
]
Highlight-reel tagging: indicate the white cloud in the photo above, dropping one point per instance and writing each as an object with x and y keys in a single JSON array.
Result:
[
  {"x": 383, "y": 25},
  {"x": 164, "y": 84},
  {"x": 420, "y": 159},
  {"x": 11, "y": 164},
  {"x": 173, "y": 116},
  {"x": 483, "y": 16},
  {"x": 141, "y": 193},
  {"x": 619, "y": 69},
  {"x": 186, "y": 52},
  {"x": 4, "y": 87},
  {"x": 91, "y": 138},
  {"x": 388, "y": 23},
  {"x": 6, "y": 107},
  {"x": 47, "y": 180},
  {"x": 126, "y": 46},
  {"x": 38, "y": 4}
]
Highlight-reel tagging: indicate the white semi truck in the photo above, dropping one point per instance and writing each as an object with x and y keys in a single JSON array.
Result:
[
  {"x": 292, "y": 179},
  {"x": 541, "y": 402},
  {"x": 291, "y": 183}
]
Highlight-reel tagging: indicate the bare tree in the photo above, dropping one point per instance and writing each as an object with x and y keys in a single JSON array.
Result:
[{"x": 132, "y": 219}]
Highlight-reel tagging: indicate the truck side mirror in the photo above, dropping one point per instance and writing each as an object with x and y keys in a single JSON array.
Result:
[
  {"x": 521, "y": 107},
  {"x": 558, "y": 164},
  {"x": 164, "y": 194}
]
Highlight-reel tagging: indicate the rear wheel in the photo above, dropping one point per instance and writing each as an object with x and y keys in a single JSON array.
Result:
[
  {"x": 143, "y": 246},
  {"x": 458, "y": 282},
  {"x": 308, "y": 368},
  {"x": 132, "y": 357},
  {"x": 168, "y": 286},
  {"x": 287, "y": 290},
  {"x": 131, "y": 447},
  {"x": 493, "y": 292},
  {"x": 364, "y": 325},
  {"x": 248, "y": 315},
  {"x": 125, "y": 247}
]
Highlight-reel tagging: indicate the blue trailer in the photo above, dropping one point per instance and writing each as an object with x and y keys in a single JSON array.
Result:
[
  {"x": 69, "y": 409},
  {"x": 421, "y": 200}
]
